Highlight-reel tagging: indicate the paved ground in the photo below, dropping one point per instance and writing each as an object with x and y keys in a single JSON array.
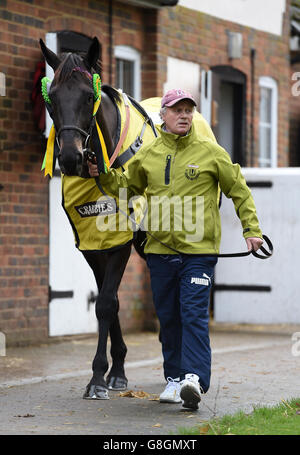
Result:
[{"x": 41, "y": 387}]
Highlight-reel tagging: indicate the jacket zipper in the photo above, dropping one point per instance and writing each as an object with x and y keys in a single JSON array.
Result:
[
  {"x": 172, "y": 192},
  {"x": 167, "y": 170}
]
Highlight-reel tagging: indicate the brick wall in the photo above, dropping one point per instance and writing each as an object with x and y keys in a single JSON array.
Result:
[
  {"x": 24, "y": 249},
  {"x": 24, "y": 197}
]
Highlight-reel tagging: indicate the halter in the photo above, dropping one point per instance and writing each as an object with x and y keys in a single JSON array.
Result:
[
  {"x": 95, "y": 78},
  {"x": 55, "y": 135}
]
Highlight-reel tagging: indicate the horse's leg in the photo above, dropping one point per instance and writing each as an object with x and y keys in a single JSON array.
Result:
[
  {"x": 107, "y": 313},
  {"x": 116, "y": 379},
  {"x": 108, "y": 269},
  {"x": 97, "y": 388}
]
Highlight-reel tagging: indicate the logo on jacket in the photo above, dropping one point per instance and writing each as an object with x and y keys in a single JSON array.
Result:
[
  {"x": 192, "y": 171},
  {"x": 95, "y": 208}
]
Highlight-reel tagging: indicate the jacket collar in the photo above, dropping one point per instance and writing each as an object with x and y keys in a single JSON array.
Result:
[{"x": 174, "y": 139}]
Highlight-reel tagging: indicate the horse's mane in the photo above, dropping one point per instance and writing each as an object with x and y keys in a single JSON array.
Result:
[
  {"x": 111, "y": 92},
  {"x": 65, "y": 69}
]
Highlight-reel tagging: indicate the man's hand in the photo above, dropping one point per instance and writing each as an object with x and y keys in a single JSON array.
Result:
[
  {"x": 93, "y": 169},
  {"x": 254, "y": 243}
]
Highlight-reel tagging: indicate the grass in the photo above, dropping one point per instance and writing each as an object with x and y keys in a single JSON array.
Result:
[{"x": 282, "y": 419}]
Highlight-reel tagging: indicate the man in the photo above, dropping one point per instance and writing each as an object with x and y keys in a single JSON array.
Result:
[{"x": 182, "y": 167}]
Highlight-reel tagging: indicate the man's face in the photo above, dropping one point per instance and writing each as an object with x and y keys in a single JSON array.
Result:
[{"x": 178, "y": 118}]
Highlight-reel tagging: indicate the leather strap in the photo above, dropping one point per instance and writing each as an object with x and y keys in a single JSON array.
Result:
[{"x": 124, "y": 132}]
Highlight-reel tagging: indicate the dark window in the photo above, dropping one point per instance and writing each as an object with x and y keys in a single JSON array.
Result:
[
  {"x": 229, "y": 99},
  {"x": 125, "y": 75},
  {"x": 68, "y": 41}
]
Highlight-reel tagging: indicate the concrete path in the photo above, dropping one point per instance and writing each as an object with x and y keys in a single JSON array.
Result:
[{"x": 41, "y": 387}]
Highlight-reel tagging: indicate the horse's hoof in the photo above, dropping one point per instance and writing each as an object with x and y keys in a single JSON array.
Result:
[
  {"x": 95, "y": 392},
  {"x": 116, "y": 383}
]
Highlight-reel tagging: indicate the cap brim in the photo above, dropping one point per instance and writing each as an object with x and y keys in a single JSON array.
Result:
[{"x": 171, "y": 103}]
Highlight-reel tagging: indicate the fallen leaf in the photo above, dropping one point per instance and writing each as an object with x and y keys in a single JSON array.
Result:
[
  {"x": 134, "y": 394},
  {"x": 204, "y": 429},
  {"x": 157, "y": 425}
]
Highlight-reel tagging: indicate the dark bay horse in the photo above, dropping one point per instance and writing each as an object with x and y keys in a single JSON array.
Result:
[{"x": 71, "y": 96}]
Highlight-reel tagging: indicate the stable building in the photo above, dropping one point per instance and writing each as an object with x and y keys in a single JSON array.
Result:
[{"x": 236, "y": 62}]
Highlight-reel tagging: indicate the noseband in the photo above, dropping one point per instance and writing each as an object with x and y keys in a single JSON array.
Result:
[{"x": 88, "y": 154}]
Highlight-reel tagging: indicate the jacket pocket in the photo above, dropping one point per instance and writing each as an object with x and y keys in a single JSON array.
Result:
[{"x": 167, "y": 169}]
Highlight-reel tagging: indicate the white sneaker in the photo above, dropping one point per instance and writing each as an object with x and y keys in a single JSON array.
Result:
[
  {"x": 190, "y": 392},
  {"x": 171, "y": 392}
]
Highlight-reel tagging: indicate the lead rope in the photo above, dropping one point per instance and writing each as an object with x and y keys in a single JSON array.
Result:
[{"x": 267, "y": 254}]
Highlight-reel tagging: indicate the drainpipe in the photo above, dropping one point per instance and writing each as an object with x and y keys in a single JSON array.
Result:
[
  {"x": 110, "y": 32},
  {"x": 253, "y": 52}
]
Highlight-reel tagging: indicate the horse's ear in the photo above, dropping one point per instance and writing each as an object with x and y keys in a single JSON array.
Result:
[
  {"x": 93, "y": 54},
  {"x": 51, "y": 57}
]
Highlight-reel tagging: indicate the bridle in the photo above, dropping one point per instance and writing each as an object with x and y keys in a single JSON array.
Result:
[{"x": 88, "y": 154}]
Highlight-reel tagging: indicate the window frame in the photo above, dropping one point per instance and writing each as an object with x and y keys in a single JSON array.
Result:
[
  {"x": 132, "y": 55},
  {"x": 270, "y": 83}
]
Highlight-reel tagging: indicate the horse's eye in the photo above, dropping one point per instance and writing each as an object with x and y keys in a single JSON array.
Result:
[{"x": 90, "y": 99}]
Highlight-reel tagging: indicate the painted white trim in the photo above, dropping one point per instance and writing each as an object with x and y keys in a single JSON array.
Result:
[
  {"x": 132, "y": 55},
  {"x": 270, "y": 83},
  {"x": 51, "y": 43}
]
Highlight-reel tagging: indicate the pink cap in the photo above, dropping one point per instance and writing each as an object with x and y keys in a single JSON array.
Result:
[{"x": 174, "y": 96}]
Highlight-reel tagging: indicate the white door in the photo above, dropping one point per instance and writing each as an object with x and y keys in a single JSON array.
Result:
[
  {"x": 185, "y": 75},
  {"x": 70, "y": 278}
]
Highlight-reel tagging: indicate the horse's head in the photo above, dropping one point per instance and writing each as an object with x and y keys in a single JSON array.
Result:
[{"x": 71, "y": 99}]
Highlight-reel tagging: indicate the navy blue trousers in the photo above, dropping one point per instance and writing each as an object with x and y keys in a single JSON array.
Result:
[{"x": 181, "y": 289}]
